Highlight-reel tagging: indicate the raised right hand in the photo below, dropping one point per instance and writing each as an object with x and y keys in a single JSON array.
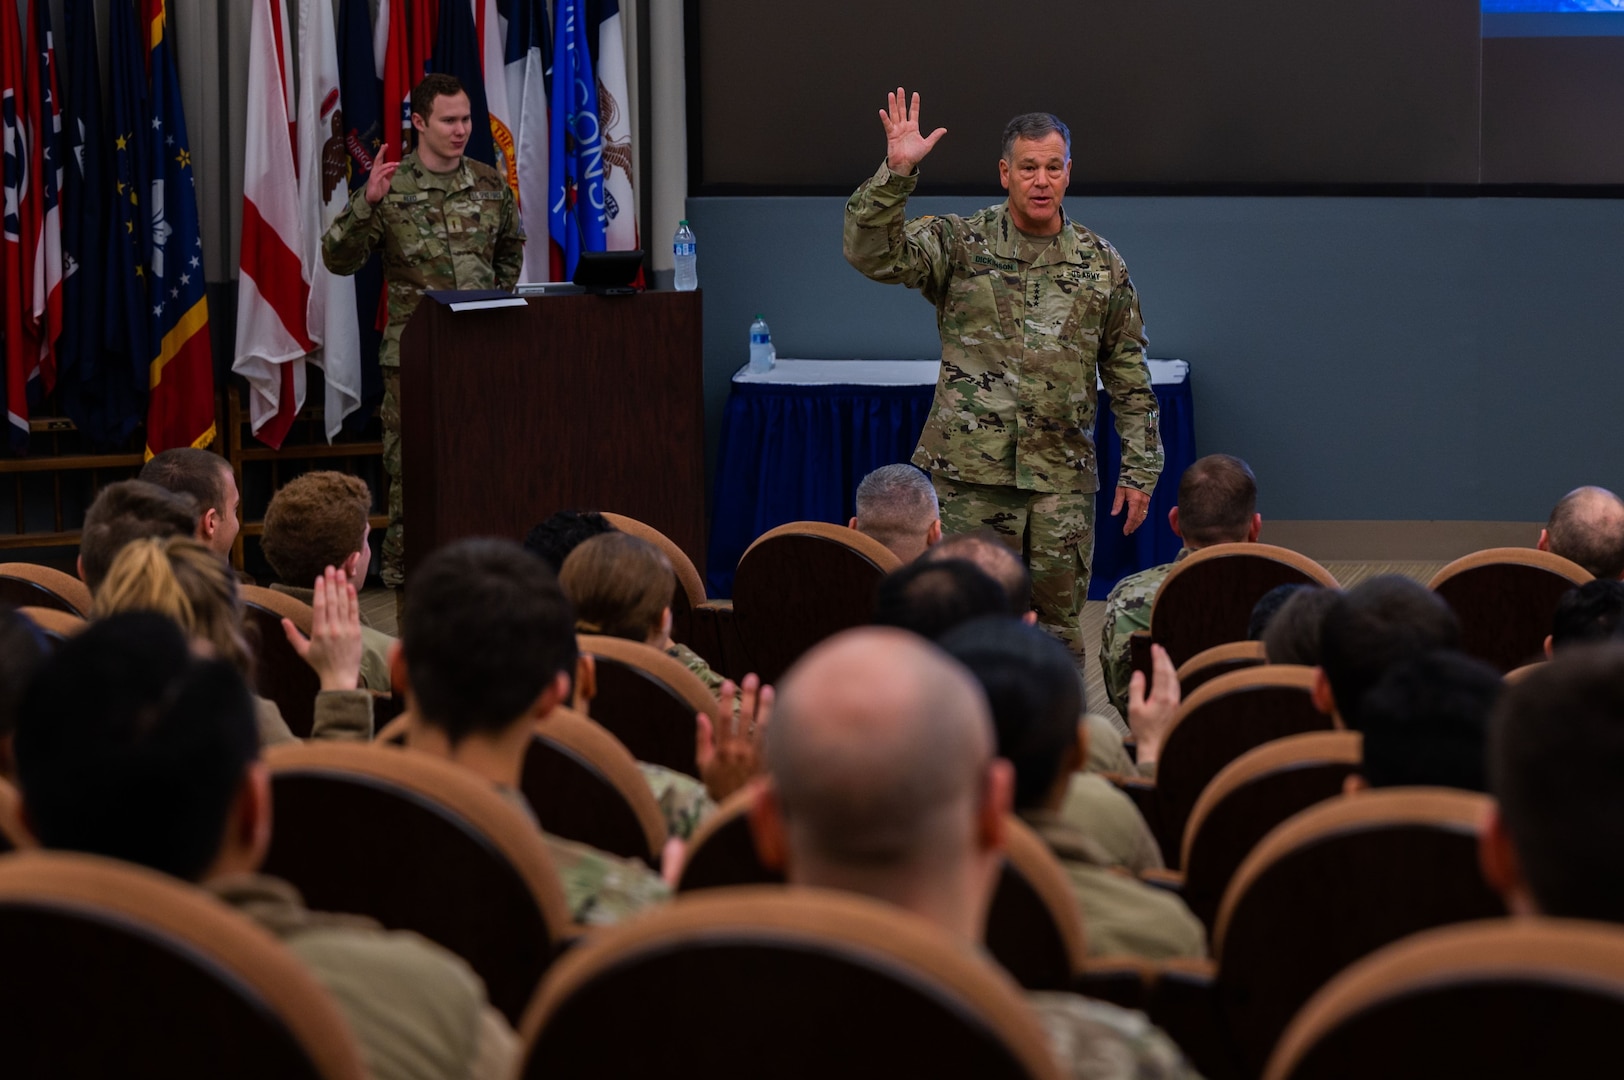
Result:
[
  {"x": 383, "y": 170},
  {"x": 904, "y": 146}
]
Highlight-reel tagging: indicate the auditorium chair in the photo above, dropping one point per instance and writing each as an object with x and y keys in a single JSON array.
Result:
[
  {"x": 648, "y": 700},
  {"x": 1333, "y": 884},
  {"x": 280, "y": 674},
  {"x": 115, "y": 970},
  {"x": 1506, "y": 599},
  {"x": 801, "y": 583},
  {"x": 585, "y": 786},
  {"x": 29, "y": 585},
  {"x": 1208, "y": 664},
  {"x": 582, "y": 785},
  {"x": 1218, "y": 723},
  {"x": 1034, "y": 926},
  {"x": 697, "y": 621},
  {"x": 12, "y": 833},
  {"x": 1501, "y": 999},
  {"x": 798, "y": 984},
  {"x": 420, "y": 844},
  {"x": 1207, "y": 599},
  {"x": 1248, "y": 798},
  {"x": 54, "y": 623}
]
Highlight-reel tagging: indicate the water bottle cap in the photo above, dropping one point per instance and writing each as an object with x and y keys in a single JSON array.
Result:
[
  {"x": 758, "y": 316},
  {"x": 683, "y": 224}
]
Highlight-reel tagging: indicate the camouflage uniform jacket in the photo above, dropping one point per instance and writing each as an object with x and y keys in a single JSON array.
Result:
[
  {"x": 684, "y": 802},
  {"x": 1026, "y": 323},
  {"x": 1094, "y": 1040},
  {"x": 416, "y": 1009},
  {"x": 599, "y": 888},
  {"x": 1128, "y": 609},
  {"x": 456, "y": 230}
]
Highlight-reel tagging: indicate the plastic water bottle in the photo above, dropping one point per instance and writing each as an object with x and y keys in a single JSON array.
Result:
[
  {"x": 686, "y": 253},
  {"x": 761, "y": 346}
]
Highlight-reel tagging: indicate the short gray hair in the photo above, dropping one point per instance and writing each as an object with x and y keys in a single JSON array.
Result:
[
  {"x": 896, "y": 502},
  {"x": 1034, "y": 125}
]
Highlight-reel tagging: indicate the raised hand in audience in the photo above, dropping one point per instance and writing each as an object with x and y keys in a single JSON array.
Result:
[
  {"x": 1150, "y": 715},
  {"x": 333, "y": 648},
  {"x": 729, "y": 758}
]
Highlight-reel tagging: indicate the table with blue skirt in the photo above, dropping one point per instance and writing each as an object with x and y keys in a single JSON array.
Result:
[{"x": 797, "y": 440}]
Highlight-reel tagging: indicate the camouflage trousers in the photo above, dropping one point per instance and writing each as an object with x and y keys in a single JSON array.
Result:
[
  {"x": 393, "y": 571},
  {"x": 1053, "y": 533}
]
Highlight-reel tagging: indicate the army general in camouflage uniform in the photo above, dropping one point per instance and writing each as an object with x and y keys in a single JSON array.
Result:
[
  {"x": 1030, "y": 306},
  {"x": 442, "y": 222}
]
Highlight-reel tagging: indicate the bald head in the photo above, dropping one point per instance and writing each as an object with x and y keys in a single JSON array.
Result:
[
  {"x": 995, "y": 559},
  {"x": 878, "y": 751},
  {"x": 1587, "y": 526}
]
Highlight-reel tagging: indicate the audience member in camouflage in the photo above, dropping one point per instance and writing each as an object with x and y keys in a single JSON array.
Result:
[
  {"x": 1031, "y": 307},
  {"x": 600, "y": 888},
  {"x": 1217, "y": 505},
  {"x": 1128, "y": 609},
  {"x": 441, "y": 221},
  {"x": 883, "y": 780},
  {"x": 696, "y": 664},
  {"x": 684, "y": 802}
]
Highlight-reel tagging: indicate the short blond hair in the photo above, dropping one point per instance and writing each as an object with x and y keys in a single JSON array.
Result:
[{"x": 187, "y": 582}]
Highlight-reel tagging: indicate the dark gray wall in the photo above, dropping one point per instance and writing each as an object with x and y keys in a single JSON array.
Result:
[{"x": 1381, "y": 359}]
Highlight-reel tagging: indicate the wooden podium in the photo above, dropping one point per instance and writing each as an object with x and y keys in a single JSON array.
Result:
[{"x": 575, "y": 402}]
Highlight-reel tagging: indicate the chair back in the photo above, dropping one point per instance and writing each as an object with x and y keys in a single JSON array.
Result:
[
  {"x": 279, "y": 673},
  {"x": 1034, "y": 927},
  {"x": 1506, "y": 598},
  {"x": 54, "y": 623},
  {"x": 420, "y": 844},
  {"x": 30, "y": 585},
  {"x": 813, "y": 983},
  {"x": 1248, "y": 798},
  {"x": 722, "y": 853},
  {"x": 1218, "y": 723},
  {"x": 1208, "y": 664},
  {"x": 584, "y": 786},
  {"x": 1502, "y": 998},
  {"x": 12, "y": 834},
  {"x": 690, "y": 591},
  {"x": 114, "y": 970},
  {"x": 801, "y": 583},
  {"x": 1207, "y": 598},
  {"x": 1334, "y": 884},
  {"x": 648, "y": 701}
]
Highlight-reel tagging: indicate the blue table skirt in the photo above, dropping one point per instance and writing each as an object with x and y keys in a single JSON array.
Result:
[{"x": 797, "y": 453}]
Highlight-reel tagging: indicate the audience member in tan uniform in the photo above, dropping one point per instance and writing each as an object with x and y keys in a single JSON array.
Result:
[
  {"x": 896, "y": 505},
  {"x": 184, "y": 580},
  {"x": 882, "y": 781},
  {"x": 130, "y": 747},
  {"x": 1030, "y": 680},
  {"x": 318, "y": 520},
  {"x": 488, "y": 651}
]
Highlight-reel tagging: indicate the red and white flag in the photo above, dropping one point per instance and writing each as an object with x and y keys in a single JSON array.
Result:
[
  {"x": 615, "y": 108},
  {"x": 45, "y": 147},
  {"x": 504, "y": 121},
  {"x": 324, "y": 162},
  {"x": 273, "y": 290},
  {"x": 526, "y": 69},
  {"x": 391, "y": 46}
]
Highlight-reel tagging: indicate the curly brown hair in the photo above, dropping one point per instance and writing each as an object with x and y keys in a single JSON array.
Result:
[{"x": 314, "y": 522}]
